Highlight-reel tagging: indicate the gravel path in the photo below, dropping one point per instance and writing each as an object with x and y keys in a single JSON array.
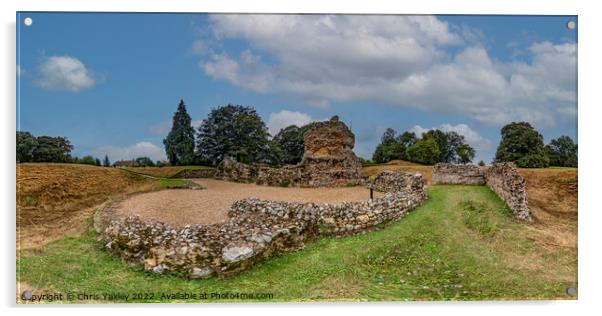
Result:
[{"x": 181, "y": 207}]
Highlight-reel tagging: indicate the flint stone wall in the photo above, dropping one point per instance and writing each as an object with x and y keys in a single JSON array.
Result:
[
  {"x": 447, "y": 173},
  {"x": 509, "y": 185},
  {"x": 328, "y": 160},
  {"x": 256, "y": 229},
  {"x": 195, "y": 173}
]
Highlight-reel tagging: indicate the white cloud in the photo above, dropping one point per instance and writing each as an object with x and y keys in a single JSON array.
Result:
[
  {"x": 64, "y": 73},
  {"x": 284, "y": 118},
  {"x": 472, "y": 137},
  {"x": 140, "y": 149},
  {"x": 19, "y": 71},
  {"x": 398, "y": 60}
]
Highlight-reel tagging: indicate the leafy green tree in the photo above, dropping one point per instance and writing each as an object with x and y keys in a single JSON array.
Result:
[
  {"x": 106, "y": 162},
  {"x": 456, "y": 141},
  {"x": 290, "y": 140},
  {"x": 562, "y": 152},
  {"x": 234, "y": 131},
  {"x": 405, "y": 140},
  {"x": 26, "y": 144},
  {"x": 425, "y": 151},
  {"x": 392, "y": 147},
  {"x": 144, "y": 162},
  {"x": 481, "y": 163},
  {"x": 87, "y": 160},
  {"x": 465, "y": 153},
  {"x": 97, "y": 162},
  {"x": 442, "y": 140},
  {"x": 523, "y": 145},
  {"x": 179, "y": 143},
  {"x": 52, "y": 149}
]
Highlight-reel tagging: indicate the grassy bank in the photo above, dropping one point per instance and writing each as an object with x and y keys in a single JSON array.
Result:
[
  {"x": 164, "y": 172},
  {"x": 460, "y": 245}
]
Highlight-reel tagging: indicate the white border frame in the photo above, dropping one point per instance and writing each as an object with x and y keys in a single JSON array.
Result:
[{"x": 589, "y": 112}]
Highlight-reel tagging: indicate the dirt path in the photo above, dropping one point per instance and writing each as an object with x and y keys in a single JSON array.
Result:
[{"x": 181, "y": 207}]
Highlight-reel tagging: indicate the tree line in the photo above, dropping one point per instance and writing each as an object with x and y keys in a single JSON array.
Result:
[
  {"x": 238, "y": 132},
  {"x": 58, "y": 150},
  {"x": 233, "y": 131},
  {"x": 520, "y": 143},
  {"x": 432, "y": 147}
]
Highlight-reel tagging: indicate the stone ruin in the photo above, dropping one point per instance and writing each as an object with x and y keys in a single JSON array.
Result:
[
  {"x": 501, "y": 178},
  {"x": 447, "y": 173},
  {"x": 255, "y": 230},
  {"x": 510, "y": 186},
  {"x": 328, "y": 160}
]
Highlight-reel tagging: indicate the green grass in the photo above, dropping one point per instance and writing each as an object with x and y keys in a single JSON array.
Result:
[
  {"x": 440, "y": 251},
  {"x": 172, "y": 183}
]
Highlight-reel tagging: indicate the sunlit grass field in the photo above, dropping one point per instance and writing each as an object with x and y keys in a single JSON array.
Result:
[{"x": 462, "y": 244}]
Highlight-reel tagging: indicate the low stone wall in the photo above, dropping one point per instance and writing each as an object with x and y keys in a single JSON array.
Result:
[
  {"x": 195, "y": 173},
  {"x": 446, "y": 173},
  {"x": 509, "y": 185},
  {"x": 319, "y": 173},
  {"x": 391, "y": 181},
  {"x": 256, "y": 229}
]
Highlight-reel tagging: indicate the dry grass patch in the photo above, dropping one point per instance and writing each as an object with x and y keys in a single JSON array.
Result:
[{"x": 53, "y": 199}]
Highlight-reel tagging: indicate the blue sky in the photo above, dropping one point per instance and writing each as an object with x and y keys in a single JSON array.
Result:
[{"x": 111, "y": 82}]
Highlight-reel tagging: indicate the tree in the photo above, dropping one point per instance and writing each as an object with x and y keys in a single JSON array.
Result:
[
  {"x": 391, "y": 147},
  {"x": 465, "y": 153},
  {"x": 179, "y": 143},
  {"x": 455, "y": 141},
  {"x": 290, "y": 140},
  {"x": 144, "y": 162},
  {"x": 407, "y": 139},
  {"x": 52, "y": 149},
  {"x": 562, "y": 152},
  {"x": 87, "y": 160},
  {"x": 481, "y": 163},
  {"x": 523, "y": 145},
  {"x": 97, "y": 162},
  {"x": 425, "y": 151},
  {"x": 26, "y": 144},
  {"x": 442, "y": 141},
  {"x": 233, "y": 131},
  {"x": 106, "y": 162}
]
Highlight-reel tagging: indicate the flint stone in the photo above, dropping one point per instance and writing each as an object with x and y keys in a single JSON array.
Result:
[{"x": 235, "y": 254}]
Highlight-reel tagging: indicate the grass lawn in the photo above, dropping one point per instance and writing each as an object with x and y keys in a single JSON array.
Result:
[{"x": 462, "y": 244}]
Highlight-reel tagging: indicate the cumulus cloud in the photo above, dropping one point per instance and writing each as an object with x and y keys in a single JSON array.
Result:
[
  {"x": 140, "y": 149},
  {"x": 64, "y": 73},
  {"x": 398, "y": 60},
  {"x": 284, "y": 118}
]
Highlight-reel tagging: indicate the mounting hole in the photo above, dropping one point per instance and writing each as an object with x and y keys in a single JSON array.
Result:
[
  {"x": 570, "y": 291},
  {"x": 570, "y": 25},
  {"x": 27, "y": 21}
]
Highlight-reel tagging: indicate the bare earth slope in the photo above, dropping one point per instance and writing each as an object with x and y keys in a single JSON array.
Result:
[{"x": 55, "y": 198}]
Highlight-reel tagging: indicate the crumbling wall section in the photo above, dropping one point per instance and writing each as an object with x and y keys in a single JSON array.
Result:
[
  {"x": 510, "y": 186},
  {"x": 447, "y": 173},
  {"x": 256, "y": 229}
]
